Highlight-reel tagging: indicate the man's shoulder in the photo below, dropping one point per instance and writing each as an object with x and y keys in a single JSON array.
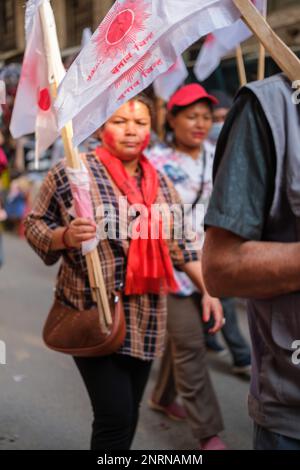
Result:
[{"x": 275, "y": 83}]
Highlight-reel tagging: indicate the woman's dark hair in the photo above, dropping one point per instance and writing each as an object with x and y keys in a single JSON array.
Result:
[
  {"x": 143, "y": 98},
  {"x": 178, "y": 109}
]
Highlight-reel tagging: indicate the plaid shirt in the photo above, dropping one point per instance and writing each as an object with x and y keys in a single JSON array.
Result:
[{"x": 145, "y": 314}]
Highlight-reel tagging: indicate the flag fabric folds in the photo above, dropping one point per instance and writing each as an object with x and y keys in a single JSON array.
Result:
[
  {"x": 221, "y": 43},
  {"x": 134, "y": 44},
  {"x": 167, "y": 83}
]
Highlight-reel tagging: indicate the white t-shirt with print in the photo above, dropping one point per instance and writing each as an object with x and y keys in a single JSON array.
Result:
[{"x": 188, "y": 176}]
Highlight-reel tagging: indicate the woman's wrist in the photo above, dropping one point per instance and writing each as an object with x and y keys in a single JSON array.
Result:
[
  {"x": 59, "y": 241},
  {"x": 65, "y": 241}
]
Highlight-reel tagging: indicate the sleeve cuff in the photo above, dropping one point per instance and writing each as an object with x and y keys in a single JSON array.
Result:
[{"x": 234, "y": 225}]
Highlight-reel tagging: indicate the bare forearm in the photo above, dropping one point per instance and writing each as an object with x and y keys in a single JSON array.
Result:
[
  {"x": 251, "y": 269},
  {"x": 194, "y": 271}
]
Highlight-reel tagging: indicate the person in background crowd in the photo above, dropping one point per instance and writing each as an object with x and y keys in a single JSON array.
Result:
[
  {"x": 220, "y": 111},
  {"x": 188, "y": 163}
]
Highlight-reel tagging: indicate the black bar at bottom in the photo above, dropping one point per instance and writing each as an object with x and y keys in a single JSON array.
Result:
[{"x": 134, "y": 459}]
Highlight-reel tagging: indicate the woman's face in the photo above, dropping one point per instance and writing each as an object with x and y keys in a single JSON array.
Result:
[
  {"x": 192, "y": 125},
  {"x": 127, "y": 133}
]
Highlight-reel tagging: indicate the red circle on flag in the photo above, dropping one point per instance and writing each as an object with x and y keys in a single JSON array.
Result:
[
  {"x": 120, "y": 26},
  {"x": 44, "y": 101}
]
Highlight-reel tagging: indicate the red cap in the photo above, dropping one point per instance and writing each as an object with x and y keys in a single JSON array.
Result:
[{"x": 189, "y": 94}]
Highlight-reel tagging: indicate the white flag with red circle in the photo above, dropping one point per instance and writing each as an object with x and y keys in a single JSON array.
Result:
[
  {"x": 221, "y": 43},
  {"x": 33, "y": 109},
  {"x": 134, "y": 44}
]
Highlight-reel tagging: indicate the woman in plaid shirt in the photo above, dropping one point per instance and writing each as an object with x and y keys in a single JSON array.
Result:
[{"x": 116, "y": 383}]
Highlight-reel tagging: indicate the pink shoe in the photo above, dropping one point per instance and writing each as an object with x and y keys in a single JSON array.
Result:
[
  {"x": 173, "y": 411},
  {"x": 212, "y": 443}
]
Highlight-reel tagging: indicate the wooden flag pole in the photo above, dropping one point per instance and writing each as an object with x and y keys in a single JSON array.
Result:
[
  {"x": 287, "y": 61},
  {"x": 261, "y": 63},
  {"x": 241, "y": 66},
  {"x": 261, "y": 70},
  {"x": 73, "y": 160}
]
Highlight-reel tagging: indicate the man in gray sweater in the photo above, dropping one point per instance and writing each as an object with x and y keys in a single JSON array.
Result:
[{"x": 252, "y": 247}]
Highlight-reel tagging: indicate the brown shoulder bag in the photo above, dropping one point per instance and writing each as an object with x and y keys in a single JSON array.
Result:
[{"x": 81, "y": 333}]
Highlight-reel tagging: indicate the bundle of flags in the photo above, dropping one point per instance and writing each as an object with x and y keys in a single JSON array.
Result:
[
  {"x": 135, "y": 43},
  {"x": 33, "y": 109}
]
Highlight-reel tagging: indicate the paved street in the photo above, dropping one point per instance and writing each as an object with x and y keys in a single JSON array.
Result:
[{"x": 43, "y": 401}]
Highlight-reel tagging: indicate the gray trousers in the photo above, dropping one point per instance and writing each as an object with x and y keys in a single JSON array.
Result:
[
  {"x": 264, "y": 439},
  {"x": 184, "y": 370}
]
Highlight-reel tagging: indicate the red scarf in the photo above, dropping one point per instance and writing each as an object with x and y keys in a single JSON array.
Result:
[{"x": 149, "y": 266}]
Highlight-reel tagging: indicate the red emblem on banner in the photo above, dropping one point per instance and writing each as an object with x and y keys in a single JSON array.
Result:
[
  {"x": 44, "y": 99},
  {"x": 121, "y": 26}
]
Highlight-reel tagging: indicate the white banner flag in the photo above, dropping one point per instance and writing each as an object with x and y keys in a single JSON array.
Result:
[
  {"x": 167, "y": 83},
  {"x": 135, "y": 43},
  {"x": 221, "y": 43},
  {"x": 86, "y": 36},
  {"x": 33, "y": 110}
]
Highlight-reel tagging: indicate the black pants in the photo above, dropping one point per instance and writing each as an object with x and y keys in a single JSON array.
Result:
[{"x": 115, "y": 384}]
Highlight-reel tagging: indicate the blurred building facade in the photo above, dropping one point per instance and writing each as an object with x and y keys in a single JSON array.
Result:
[{"x": 72, "y": 16}]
